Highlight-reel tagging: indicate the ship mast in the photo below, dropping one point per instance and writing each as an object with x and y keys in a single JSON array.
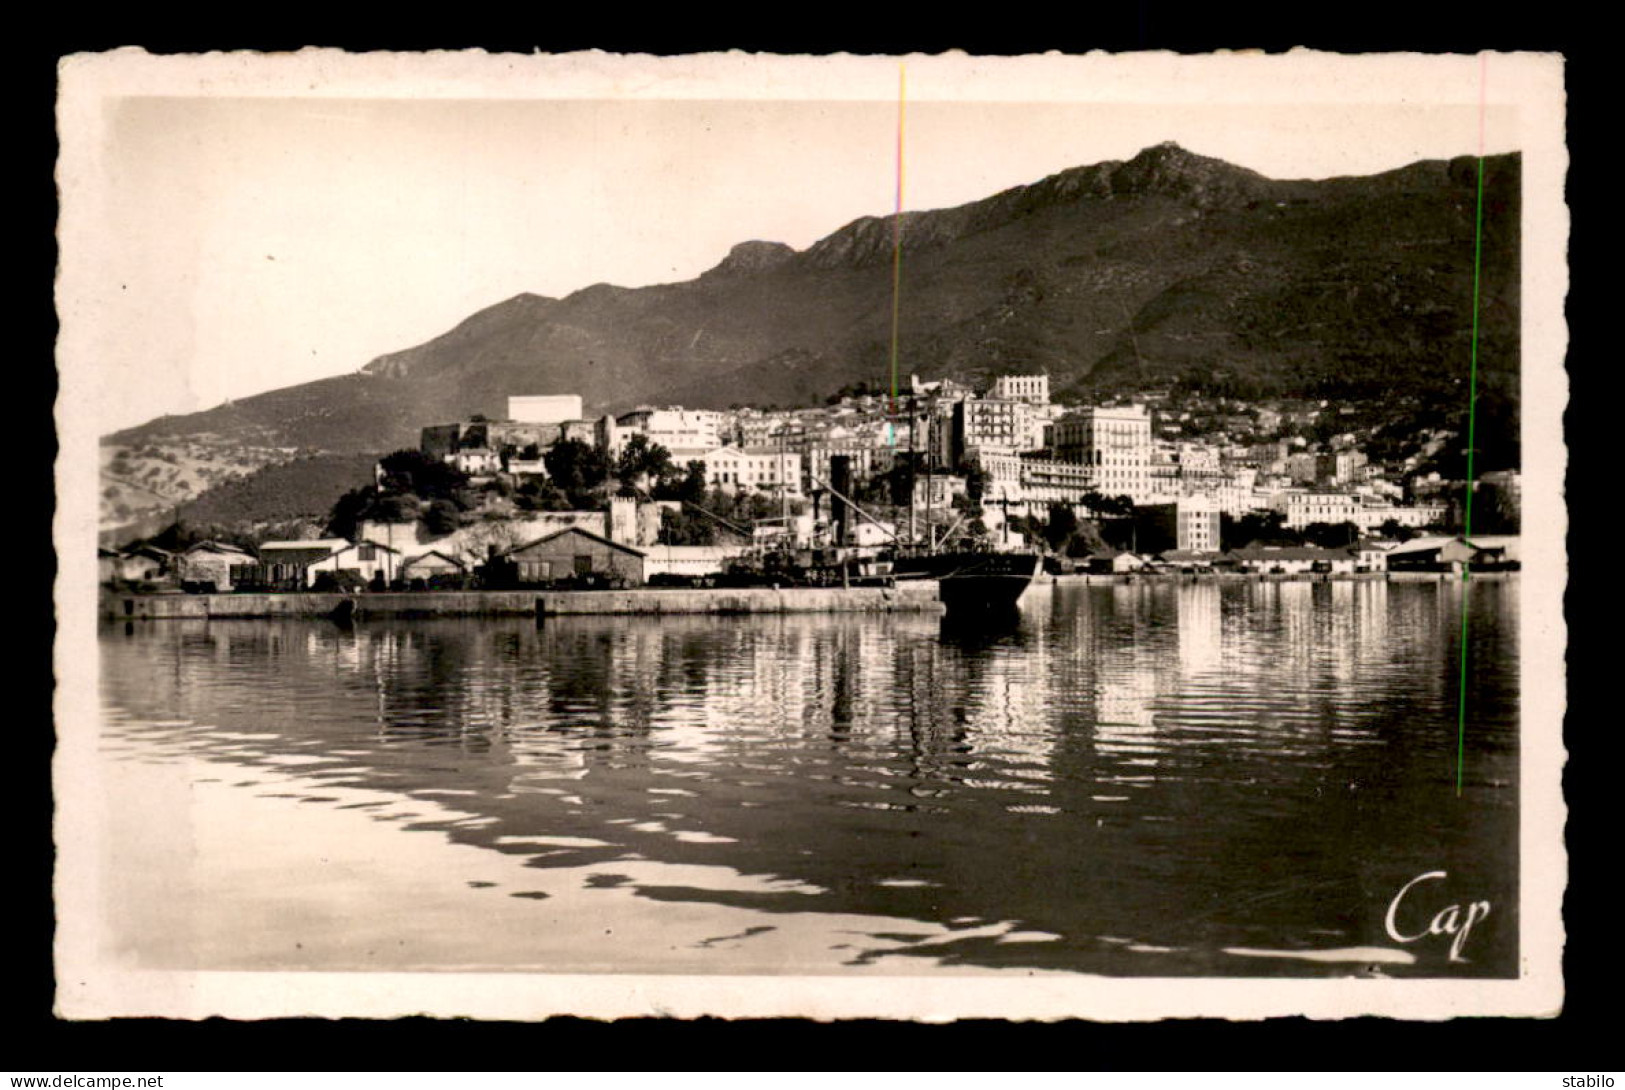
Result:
[{"x": 913, "y": 469}]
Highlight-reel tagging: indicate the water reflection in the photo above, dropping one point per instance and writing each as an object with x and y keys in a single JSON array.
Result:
[{"x": 1122, "y": 779}]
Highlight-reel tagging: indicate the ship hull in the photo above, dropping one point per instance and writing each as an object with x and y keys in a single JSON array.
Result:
[
  {"x": 971, "y": 595},
  {"x": 975, "y": 584}
]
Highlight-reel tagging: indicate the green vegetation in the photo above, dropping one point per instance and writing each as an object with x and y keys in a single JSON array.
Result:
[
  {"x": 302, "y": 489},
  {"x": 642, "y": 460},
  {"x": 409, "y": 482},
  {"x": 579, "y": 471},
  {"x": 420, "y": 474},
  {"x": 1256, "y": 528}
]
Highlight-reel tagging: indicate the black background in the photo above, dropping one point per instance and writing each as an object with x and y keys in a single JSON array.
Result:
[{"x": 1583, "y": 1039}]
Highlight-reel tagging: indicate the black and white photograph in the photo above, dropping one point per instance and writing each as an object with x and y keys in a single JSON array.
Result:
[{"x": 921, "y": 537}]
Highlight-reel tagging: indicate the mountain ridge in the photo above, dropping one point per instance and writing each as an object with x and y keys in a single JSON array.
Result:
[{"x": 1169, "y": 266}]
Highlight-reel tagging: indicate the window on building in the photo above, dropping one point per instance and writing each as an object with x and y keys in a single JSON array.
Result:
[{"x": 583, "y": 564}]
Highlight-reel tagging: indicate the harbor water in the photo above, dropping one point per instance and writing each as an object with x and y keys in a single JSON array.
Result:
[{"x": 1171, "y": 779}]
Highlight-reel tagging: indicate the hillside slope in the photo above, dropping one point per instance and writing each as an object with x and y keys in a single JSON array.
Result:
[{"x": 1168, "y": 266}]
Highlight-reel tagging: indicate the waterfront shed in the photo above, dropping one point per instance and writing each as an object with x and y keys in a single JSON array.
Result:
[
  {"x": 1290, "y": 559},
  {"x": 144, "y": 563},
  {"x": 688, "y": 560},
  {"x": 1186, "y": 560},
  {"x": 208, "y": 565},
  {"x": 1113, "y": 562},
  {"x": 1496, "y": 552},
  {"x": 1371, "y": 554},
  {"x": 366, "y": 559},
  {"x": 435, "y": 568},
  {"x": 1430, "y": 554},
  {"x": 285, "y": 564},
  {"x": 574, "y": 552}
]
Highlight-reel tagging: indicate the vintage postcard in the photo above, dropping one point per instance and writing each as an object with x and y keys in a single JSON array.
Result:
[{"x": 917, "y": 537}]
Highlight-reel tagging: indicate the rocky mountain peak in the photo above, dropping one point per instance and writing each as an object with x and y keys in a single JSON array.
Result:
[
  {"x": 754, "y": 256},
  {"x": 1170, "y": 169}
]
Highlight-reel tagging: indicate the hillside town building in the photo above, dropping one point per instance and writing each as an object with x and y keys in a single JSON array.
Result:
[
  {"x": 986, "y": 424},
  {"x": 1116, "y": 442},
  {"x": 1183, "y": 466},
  {"x": 685, "y": 433},
  {"x": 762, "y": 469},
  {"x": 544, "y": 409},
  {"x": 1189, "y": 524},
  {"x": 1032, "y": 389}
]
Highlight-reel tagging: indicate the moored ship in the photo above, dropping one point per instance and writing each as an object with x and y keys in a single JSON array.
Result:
[{"x": 972, "y": 584}]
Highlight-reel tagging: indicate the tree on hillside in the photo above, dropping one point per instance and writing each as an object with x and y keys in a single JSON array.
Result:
[
  {"x": 1062, "y": 525},
  {"x": 422, "y": 475},
  {"x": 1392, "y": 530},
  {"x": 173, "y": 538},
  {"x": 690, "y": 486},
  {"x": 1256, "y": 528},
  {"x": 540, "y": 494},
  {"x": 348, "y": 511},
  {"x": 441, "y": 517},
  {"x": 641, "y": 461},
  {"x": 1329, "y": 535},
  {"x": 690, "y": 526},
  {"x": 1117, "y": 507},
  {"x": 1028, "y": 527},
  {"x": 578, "y": 469},
  {"x": 369, "y": 504}
]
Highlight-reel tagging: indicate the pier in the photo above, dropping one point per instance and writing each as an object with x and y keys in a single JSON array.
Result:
[{"x": 913, "y": 597}]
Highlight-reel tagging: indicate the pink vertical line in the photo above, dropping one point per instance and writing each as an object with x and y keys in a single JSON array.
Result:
[{"x": 1483, "y": 97}]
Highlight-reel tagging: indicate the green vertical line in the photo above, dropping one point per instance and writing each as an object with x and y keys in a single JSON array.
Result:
[
  {"x": 1467, "y": 513},
  {"x": 1472, "y": 377}
]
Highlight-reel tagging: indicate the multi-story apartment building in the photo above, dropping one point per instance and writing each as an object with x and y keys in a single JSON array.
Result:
[
  {"x": 1303, "y": 468},
  {"x": 1034, "y": 480},
  {"x": 764, "y": 469},
  {"x": 990, "y": 425},
  {"x": 1190, "y": 523},
  {"x": 937, "y": 490},
  {"x": 1032, "y": 389},
  {"x": 1338, "y": 467},
  {"x": 445, "y": 441},
  {"x": 867, "y": 458},
  {"x": 1115, "y": 441},
  {"x": 1234, "y": 494},
  {"x": 1303, "y": 508},
  {"x": 686, "y": 433},
  {"x": 1372, "y": 515},
  {"x": 1180, "y": 469}
]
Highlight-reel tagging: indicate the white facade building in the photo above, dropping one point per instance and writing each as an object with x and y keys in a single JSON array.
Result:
[
  {"x": 688, "y": 560},
  {"x": 1116, "y": 442},
  {"x": 1372, "y": 516},
  {"x": 763, "y": 469},
  {"x": 1197, "y": 524},
  {"x": 475, "y": 461},
  {"x": 545, "y": 409},
  {"x": 1307, "y": 507},
  {"x": 686, "y": 433},
  {"x": 1012, "y": 477},
  {"x": 1033, "y": 389}
]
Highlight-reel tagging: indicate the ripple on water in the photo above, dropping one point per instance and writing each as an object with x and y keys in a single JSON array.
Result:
[{"x": 1122, "y": 762}]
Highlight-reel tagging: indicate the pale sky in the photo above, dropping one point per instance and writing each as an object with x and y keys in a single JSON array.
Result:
[{"x": 248, "y": 242}]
